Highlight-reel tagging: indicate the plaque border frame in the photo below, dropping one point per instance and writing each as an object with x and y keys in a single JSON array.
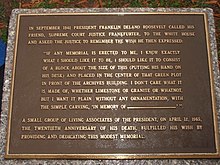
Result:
[{"x": 118, "y": 155}]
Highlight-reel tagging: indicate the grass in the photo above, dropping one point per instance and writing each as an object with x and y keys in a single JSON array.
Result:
[
  {"x": 46, "y": 4},
  {"x": 5, "y": 10}
]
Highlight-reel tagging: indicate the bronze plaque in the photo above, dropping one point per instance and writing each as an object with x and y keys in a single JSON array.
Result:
[{"x": 112, "y": 86}]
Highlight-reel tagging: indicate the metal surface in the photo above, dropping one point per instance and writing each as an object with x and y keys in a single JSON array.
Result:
[{"x": 152, "y": 138}]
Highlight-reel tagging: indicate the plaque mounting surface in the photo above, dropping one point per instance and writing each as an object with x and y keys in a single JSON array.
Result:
[{"x": 89, "y": 85}]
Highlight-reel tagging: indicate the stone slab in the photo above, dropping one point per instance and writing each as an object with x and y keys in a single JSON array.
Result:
[{"x": 8, "y": 82}]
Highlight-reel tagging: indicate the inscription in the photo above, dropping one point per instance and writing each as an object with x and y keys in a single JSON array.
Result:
[{"x": 128, "y": 85}]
